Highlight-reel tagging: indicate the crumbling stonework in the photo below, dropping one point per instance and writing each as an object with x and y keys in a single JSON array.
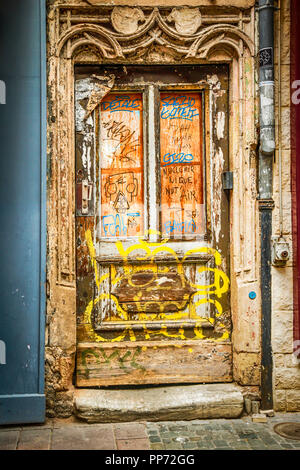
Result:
[{"x": 59, "y": 368}]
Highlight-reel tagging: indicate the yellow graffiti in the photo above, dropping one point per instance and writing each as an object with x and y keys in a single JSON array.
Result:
[{"x": 217, "y": 288}]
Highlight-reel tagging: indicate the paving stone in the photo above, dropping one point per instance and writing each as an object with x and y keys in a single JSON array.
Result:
[
  {"x": 84, "y": 438},
  {"x": 9, "y": 439},
  {"x": 210, "y": 446},
  {"x": 163, "y": 427},
  {"x": 194, "y": 438},
  {"x": 173, "y": 446},
  {"x": 286, "y": 446},
  {"x": 219, "y": 443},
  {"x": 133, "y": 444},
  {"x": 170, "y": 433},
  {"x": 295, "y": 444},
  {"x": 242, "y": 447},
  {"x": 153, "y": 432},
  {"x": 202, "y": 445},
  {"x": 178, "y": 428},
  {"x": 154, "y": 439},
  {"x": 190, "y": 445},
  {"x": 269, "y": 440},
  {"x": 247, "y": 435},
  {"x": 257, "y": 444},
  {"x": 130, "y": 431},
  {"x": 34, "y": 439},
  {"x": 157, "y": 446},
  {"x": 167, "y": 441},
  {"x": 200, "y": 432}
]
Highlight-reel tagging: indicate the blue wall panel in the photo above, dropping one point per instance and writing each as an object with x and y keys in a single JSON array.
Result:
[{"x": 22, "y": 211}]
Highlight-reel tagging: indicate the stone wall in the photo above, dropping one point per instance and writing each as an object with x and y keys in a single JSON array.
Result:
[{"x": 286, "y": 370}]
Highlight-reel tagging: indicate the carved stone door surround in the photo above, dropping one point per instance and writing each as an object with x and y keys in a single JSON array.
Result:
[{"x": 81, "y": 33}]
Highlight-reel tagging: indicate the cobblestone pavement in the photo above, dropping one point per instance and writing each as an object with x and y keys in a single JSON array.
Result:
[
  {"x": 222, "y": 434},
  {"x": 231, "y": 434}
]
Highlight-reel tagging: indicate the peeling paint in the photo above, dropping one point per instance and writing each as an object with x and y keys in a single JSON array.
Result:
[
  {"x": 220, "y": 125},
  {"x": 216, "y": 203},
  {"x": 99, "y": 91}
]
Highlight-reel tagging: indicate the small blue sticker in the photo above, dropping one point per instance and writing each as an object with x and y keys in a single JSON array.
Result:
[{"x": 252, "y": 295}]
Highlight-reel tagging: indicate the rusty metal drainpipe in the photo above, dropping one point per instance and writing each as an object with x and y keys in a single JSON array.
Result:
[{"x": 266, "y": 203}]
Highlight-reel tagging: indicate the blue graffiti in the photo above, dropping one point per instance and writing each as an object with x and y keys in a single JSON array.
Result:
[
  {"x": 121, "y": 103},
  {"x": 114, "y": 228},
  {"x": 182, "y": 227},
  {"x": 178, "y": 107},
  {"x": 116, "y": 225},
  {"x": 170, "y": 158}
]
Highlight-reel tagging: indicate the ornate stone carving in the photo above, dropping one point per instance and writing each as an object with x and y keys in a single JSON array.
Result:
[
  {"x": 82, "y": 33},
  {"x": 187, "y": 20},
  {"x": 125, "y": 19},
  {"x": 118, "y": 35}
]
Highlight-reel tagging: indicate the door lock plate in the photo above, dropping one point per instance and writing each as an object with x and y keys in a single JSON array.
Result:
[{"x": 84, "y": 196}]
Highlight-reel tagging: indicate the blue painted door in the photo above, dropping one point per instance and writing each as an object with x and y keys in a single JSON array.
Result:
[{"x": 22, "y": 210}]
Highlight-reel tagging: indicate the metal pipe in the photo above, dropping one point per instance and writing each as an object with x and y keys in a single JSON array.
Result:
[
  {"x": 279, "y": 136},
  {"x": 267, "y": 97},
  {"x": 266, "y": 204}
]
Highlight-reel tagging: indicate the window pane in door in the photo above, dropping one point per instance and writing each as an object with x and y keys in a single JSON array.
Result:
[
  {"x": 181, "y": 163},
  {"x": 121, "y": 162}
]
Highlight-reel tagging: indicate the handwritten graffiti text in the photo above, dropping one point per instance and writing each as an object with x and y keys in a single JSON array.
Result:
[
  {"x": 121, "y": 103},
  {"x": 182, "y": 227},
  {"x": 115, "y": 225},
  {"x": 178, "y": 107},
  {"x": 170, "y": 158}
]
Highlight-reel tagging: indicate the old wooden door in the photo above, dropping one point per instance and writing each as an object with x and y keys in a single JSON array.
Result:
[{"x": 152, "y": 225}]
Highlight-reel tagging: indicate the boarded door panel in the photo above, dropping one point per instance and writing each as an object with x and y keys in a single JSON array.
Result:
[
  {"x": 121, "y": 157},
  {"x": 181, "y": 152}
]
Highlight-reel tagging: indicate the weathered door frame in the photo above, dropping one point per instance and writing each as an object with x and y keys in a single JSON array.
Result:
[{"x": 228, "y": 40}]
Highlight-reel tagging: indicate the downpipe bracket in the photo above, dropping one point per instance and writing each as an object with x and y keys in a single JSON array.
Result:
[{"x": 266, "y": 204}]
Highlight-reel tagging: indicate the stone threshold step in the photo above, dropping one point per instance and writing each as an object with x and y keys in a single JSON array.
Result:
[{"x": 164, "y": 403}]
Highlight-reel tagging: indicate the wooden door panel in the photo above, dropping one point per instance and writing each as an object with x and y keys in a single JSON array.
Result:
[
  {"x": 153, "y": 305},
  {"x": 150, "y": 363}
]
